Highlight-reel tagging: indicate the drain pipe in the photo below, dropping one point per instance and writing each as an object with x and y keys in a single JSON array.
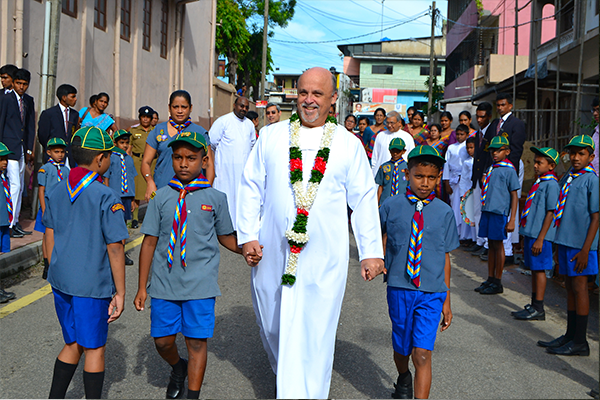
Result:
[{"x": 19, "y": 33}]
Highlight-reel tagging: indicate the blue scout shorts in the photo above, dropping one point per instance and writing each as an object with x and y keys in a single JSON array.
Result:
[
  {"x": 4, "y": 239},
  {"x": 127, "y": 204},
  {"x": 540, "y": 262},
  {"x": 567, "y": 267},
  {"x": 39, "y": 226},
  {"x": 415, "y": 318},
  {"x": 83, "y": 319},
  {"x": 193, "y": 318},
  {"x": 492, "y": 226}
]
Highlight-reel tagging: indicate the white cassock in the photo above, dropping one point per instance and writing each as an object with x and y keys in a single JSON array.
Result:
[
  {"x": 456, "y": 154},
  {"x": 381, "y": 151},
  {"x": 231, "y": 139},
  {"x": 465, "y": 183},
  {"x": 298, "y": 324}
]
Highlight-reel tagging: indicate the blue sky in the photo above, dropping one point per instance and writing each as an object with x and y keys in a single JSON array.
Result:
[{"x": 325, "y": 20}]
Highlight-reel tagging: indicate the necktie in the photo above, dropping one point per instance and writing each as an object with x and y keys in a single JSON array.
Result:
[
  {"x": 488, "y": 174},
  {"x": 22, "y": 110},
  {"x": 413, "y": 267},
  {"x": 180, "y": 218},
  {"x": 81, "y": 185},
  {"x": 124, "y": 186},
  {"x": 564, "y": 192},
  {"x": 182, "y": 126},
  {"x": 58, "y": 168},
  {"x": 499, "y": 126},
  {"x": 546, "y": 177},
  {"x": 67, "y": 120},
  {"x": 396, "y": 178},
  {"x": 480, "y": 138},
  {"x": 9, "y": 204}
]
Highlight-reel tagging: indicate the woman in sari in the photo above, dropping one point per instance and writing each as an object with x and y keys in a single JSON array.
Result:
[
  {"x": 95, "y": 116},
  {"x": 417, "y": 129},
  {"x": 448, "y": 135},
  {"x": 465, "y": 118},
  {"x": 435, "y": 140}
]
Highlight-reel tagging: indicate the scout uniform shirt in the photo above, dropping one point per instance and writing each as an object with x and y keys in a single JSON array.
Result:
[
  {"x": 582, "y": 202},
  {"x": 440, "y": 236},
  {"x": 544, "y": 200},
  {"x": 48, "y": 175},
  {"x": 207, "y": 217},
  {"x": 114, "y": 175},
  {"x": 82, "y": 230},
  {"x": 159, "y": 140},
  {"x": 384, "y": 178},
  {"x": 502, "y": 181}
]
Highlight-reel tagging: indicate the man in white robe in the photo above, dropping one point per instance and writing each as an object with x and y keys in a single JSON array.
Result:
[
  {"x": 381, "y": 151},
  {"x": 231, "y": 138},
  {"x": 298, "y": 323}
]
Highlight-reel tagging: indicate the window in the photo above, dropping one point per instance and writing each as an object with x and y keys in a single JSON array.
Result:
[
  {"x": 126, "y": 20},
  {"x": 373, "y": 48},
  {"x": 382, "y": 69},
  {"x": 100, "y": 14},
  {"x": 147, "y": 24},
  {"x": 425, "y": 71},
  {"x": 164, "y": 25},
  {"x": 69, "y": 7}
]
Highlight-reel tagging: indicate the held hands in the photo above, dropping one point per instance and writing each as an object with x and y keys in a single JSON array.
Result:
[
  {"x": 446, "y": 316},
  {"x": 115, "y": 308},
  {"x": 536, "y": 249},
  {"x": 371, "y": 267},
  {"x": 252, "y": 252},
  {"x": 581, "y": 260},
  {"x": 140, "y": 299}
]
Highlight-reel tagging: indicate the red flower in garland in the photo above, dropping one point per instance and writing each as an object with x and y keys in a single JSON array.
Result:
[
  {"x": 302, "y": 211},
  {"x": 320, "y": 165},
  {"x": 295, "y": 164},
  {"x": 295, "y": 249}
]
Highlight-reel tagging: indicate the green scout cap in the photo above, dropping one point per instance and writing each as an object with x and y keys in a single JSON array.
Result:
[
  {"x": 93, "y": 138},
  {"x": 424, "y": 150},
  {"x": 581, "y": 141},
  {"x": 397, "y": 143},
  {"x": 546, "y": 152},
  {"x": 4, "y": 151},
  {"x": 119, "y": 134},
  {"x": 56, "y": 142},
  {"x": 194, "y": 138},
  {"x": 497, "y": 142}
]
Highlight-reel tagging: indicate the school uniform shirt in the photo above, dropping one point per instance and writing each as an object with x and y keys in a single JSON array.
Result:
[
  {"x": 440, "y": 236},
  {"x": 384, "y": 178},
  {"x": 82, "y": 230},
  {"x": 545, "y": 200},
  {"x": 159, "y": 140},
  {"x": 381, "y": 147},
  {"x": 207, "y": 217},
  {"x": 48, "y": 175},
  {"x": 455, "y": 156},
  {"x": 582, "y": 201},
  {"x": 3, "y": 204},
  {"x": 466, "y": 172},
  {"x": 114, "y": 175},
  {"x": 502, "y": 181}
]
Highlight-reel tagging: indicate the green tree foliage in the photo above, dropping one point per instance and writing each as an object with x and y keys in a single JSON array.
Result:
[
  {"x": 437, "y": 94},
  {"x": 239, "y": 35}
]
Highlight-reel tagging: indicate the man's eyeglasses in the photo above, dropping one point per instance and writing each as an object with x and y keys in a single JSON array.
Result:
[{"x": 271, "y": 112}]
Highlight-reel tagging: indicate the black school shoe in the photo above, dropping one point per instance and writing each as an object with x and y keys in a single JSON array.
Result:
[
  {"x": 478, "y": 251},
  {"x": 483, "y": 285},
  {"x": 128, "y": 261},
  {"x": 403, "y": 390},
  {"x": 559, "y": 341},
  {"x": 570, "y": 349},
  {"x": 529, "y": 314},
  {"x": 175, "y": 388},
  {"x": 135, "y": 224},
  {"x": 484, "y": 255},
  {"x": 19, "y": 229},
  {"x": 493, "y": 288},
  {"x": 14, "y": 234}
]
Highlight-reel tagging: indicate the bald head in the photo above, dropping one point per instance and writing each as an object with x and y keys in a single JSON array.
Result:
[{"x": 316, "y": 94}]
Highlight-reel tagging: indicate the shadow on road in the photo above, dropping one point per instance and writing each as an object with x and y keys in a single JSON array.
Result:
[{"x": 150, "y": 363}]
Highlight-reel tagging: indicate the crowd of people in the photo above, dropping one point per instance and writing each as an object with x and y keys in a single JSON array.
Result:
[{"x": 281, "y": 197}]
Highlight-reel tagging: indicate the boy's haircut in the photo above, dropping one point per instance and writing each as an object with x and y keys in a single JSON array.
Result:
[
  {"x": 426, "y": 160},
  {"x": 588, "y": 148},
  {"x": 472, "y": 140},
  {"x": 380, "y": 109},
  {"x": 22, "y": 75},
  {"x": 181, "y": 93},
  {"x": 9, "y": 70},
  {"x": 549, "y": 159},
  {"x": 252, "y": 115},
  {"x": 462, "y": 128},
  {"x": 84, "y": 156},
  {"x": 363, "y": 118},
  {"x": 446, "y": 114},
  {"x": 595, "y": 102},
  {"x": 505, "y": 96},
  {"x": 64, "y": 90},
  {"x": 177, "y": 145},
  {"x": 485, "y": 106}
]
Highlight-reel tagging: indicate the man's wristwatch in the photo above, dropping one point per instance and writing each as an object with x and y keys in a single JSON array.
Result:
[{"x": 29, "y": 152}]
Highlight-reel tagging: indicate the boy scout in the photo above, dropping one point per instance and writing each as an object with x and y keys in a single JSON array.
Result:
[{"x": 391, "y": 177}]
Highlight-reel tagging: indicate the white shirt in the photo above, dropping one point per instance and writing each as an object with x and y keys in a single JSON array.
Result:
[{"x": 65, "y": 117}]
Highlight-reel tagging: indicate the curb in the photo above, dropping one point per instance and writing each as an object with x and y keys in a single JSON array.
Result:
[{"x": 20, "y": 259}]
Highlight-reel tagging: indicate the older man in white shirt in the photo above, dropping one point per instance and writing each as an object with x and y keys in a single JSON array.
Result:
[{"x": 381, "y": 152}]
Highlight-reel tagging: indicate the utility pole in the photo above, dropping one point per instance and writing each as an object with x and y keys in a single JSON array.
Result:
[
  {"x": 263, "y": 78},
  {"x": 431, "y": 63},
  {"x": 514, "y": 94}
]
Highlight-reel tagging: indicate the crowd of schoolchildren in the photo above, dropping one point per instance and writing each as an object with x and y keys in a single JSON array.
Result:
[{"x": 420, "y": 193}]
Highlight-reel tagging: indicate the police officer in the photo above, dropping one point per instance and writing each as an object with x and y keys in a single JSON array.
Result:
[{"x": 139, "y": 134}]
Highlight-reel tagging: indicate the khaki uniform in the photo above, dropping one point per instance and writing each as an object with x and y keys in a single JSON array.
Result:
[{"x": 138, "y": 144}]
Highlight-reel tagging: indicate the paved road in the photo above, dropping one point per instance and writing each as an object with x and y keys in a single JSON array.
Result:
[{"x": 485, "y": 353}]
